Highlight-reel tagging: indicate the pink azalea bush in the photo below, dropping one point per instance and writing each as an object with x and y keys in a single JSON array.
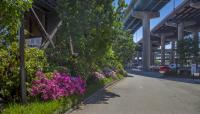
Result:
[
  {"x": 99, "y": 75},
  {"x": 111, "y": 74},
  {"x": 59, "y": 85}
]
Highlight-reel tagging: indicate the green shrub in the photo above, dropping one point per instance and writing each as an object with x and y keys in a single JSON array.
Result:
[
  {"x": 60, "y": 69},
  {"x": 9, "y": 69}
]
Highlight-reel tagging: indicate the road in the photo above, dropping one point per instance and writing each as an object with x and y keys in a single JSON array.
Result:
[{"x": 146, "y": 94}]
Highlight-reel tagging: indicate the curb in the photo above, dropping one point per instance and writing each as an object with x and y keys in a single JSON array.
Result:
[{"x": 88, "y": 98}]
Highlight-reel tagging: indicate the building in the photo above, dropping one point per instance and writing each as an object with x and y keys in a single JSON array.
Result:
[{"x": 41, "y": 23}]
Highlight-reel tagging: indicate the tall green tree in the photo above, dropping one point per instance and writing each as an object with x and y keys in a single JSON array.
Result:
[
  {"x": 95, "y": 27},
  {"x": 10, "y": 17},
  {"x": 124, "y": 47},
  {"x": 184, "y": 50},
  {"x": 188, "y": 49},
  {"x": 195, "y": 50}
]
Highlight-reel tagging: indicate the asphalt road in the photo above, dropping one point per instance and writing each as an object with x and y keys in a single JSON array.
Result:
[{"x": 146, "y": 94}]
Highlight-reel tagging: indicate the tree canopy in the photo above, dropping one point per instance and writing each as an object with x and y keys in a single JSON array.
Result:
[
  {"x": 10, "y": 16},
  {"x": 187, "y": 48},
  {"x": 95, "y": 27}
]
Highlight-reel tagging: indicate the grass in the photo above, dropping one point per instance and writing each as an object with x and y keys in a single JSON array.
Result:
[
  {"x": 33, "y": 108},
  {"x": 39, "y": 107},
  {"x": 55, "y": 106}
]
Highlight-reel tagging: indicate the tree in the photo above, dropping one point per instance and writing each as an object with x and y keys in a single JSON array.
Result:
[
  {"x": 183, "y": 50},
  {"x": 187, "y": 48},
  {"x": 195, "y": 50},
  {"x": 22, "y": 63},
  {"x": 124, "y": 46},
  {"x": 95, "y": 28},
  {"x": 10, "y": 17}
]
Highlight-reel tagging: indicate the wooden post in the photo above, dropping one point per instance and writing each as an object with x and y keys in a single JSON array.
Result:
[
  {"x": 22, "y": 63},
  {"x": 71, "y": 45}
]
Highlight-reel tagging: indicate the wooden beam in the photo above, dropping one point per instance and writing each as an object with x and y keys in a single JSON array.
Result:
[
  {"x": 42, "y": 28},
  {"x": 46, "y": 43},
  {"x": 71, "y": 47}
]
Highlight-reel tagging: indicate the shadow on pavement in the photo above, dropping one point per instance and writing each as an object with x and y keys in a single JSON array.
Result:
[
  {"x": 160, "y": 76},
  {"x": 102, "y": 97},
  {"x": 129, "y": 75}
]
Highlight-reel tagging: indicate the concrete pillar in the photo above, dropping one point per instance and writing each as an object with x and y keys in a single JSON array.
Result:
[
  {"x": 146, "y": 42},
  {"x": 138, "y": 57},
  {"x": 163, "y": 37},
  {"x": 180, "y": 31},
  {"x": 172, "y": 54},
  {"x": 145, "y": 16},
  {"x": 152, "y": 58},
  {"x": 151, "y": 52}
]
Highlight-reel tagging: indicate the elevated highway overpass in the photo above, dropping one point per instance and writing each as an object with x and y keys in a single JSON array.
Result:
[
  {"x": 180, "y": 23},
  {"x": 138, "y": 14},
  {"x": 183, "y": 21}
]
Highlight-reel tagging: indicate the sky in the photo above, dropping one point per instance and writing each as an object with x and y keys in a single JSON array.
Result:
[{"x": 163, "y": 13}]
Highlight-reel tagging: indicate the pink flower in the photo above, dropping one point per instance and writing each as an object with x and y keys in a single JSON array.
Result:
[
  {"x": 99, "y": 75},
  {"x": 59, "y": 85},
  {"x": 40, "y": 74}
]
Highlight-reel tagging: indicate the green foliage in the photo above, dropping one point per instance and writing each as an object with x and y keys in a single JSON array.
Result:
[
  {"x": 187, "y": 48},
  {"x": 9, "y": 68},
  {"x": 89, "y": 24},
  {"x": 109, "y": 60},
  {"x": 10, "y": 16},
  {"x": 183, "y": 50},
  {"x": 34, "y": 60},
  {"x": 124, "y": 46},
  {"x": 95, "y": 28},
  {"x": 157, "y": 62},
  {"x": 195, "y": 50}
]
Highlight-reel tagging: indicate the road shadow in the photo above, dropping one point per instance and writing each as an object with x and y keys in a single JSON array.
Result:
[
  {"x": 160, "y": 76},
  {"x": 129, "y": 75},
  {"x": 102, "y": 97}
]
